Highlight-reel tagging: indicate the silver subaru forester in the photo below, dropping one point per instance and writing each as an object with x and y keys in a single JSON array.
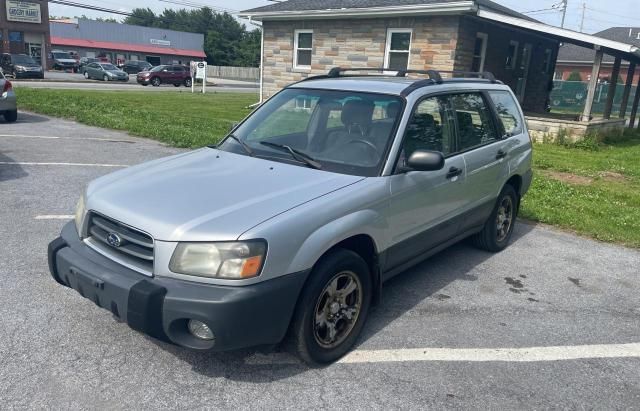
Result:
[{"x": 290, "y": 226}]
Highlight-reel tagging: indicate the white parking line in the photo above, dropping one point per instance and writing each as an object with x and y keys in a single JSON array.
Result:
[
  {"x": 530, "y": 354},
  {"x": 29, "y": 163},
  {"x": 54, "y": 217},
  {"x": 110, "y": 140}
]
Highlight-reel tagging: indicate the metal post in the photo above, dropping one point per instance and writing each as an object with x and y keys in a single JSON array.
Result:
[
  {"x": 564, "y": 12},
  {"x": 613, "y": 85},
  {"x": 593, "y": 83},
  {"x": 627, "y": 89},
  {"x": 584, "y": 10},
  {"x": 634, "y": 108}
]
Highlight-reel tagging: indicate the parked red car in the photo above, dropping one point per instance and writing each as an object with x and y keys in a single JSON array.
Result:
[{"x": 166, "y": 74}]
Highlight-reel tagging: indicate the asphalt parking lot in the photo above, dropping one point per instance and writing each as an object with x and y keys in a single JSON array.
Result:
[{"x": 551, "y": 322}]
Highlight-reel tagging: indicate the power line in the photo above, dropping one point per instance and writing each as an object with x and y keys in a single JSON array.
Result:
[{"x": 90, "y": 7}]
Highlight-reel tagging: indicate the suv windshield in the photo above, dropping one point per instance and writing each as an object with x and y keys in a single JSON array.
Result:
[
  {"x": 61, "y": 55},
  {"x": 345, "y": 131},
  {"x": 22, "y": 59},
  {"x": 158, "y": 68}
]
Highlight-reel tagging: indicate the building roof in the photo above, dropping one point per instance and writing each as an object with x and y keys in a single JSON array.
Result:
[
  {"x": 323, "y": 8},
  {"x": 575, "y": 54},
  {"x": 136, "y": 48}
]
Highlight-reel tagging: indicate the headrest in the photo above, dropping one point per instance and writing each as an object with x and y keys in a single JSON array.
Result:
[
  {"x": 393, "y": 109},
  {"x": 357, "y": 112},
  {"x": 464, "y": 119}
]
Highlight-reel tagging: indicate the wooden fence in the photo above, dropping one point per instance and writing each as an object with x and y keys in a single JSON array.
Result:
[{"x": 234, "y": 73}]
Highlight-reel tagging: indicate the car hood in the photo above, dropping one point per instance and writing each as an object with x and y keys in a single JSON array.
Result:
[
  {"x": 207, "y": 195},
  {"x": 116, "y": 71},
  {"x": 66, "y": 60},
  {"x": 28, "y": 65}
]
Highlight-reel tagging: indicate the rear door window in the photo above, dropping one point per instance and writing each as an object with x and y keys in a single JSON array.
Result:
[
  {"x": 474, "y": 119},
  {"x": 508, "y": 112}
]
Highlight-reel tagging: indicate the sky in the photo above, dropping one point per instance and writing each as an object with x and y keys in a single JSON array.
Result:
[{"x": 596, "y": 17}]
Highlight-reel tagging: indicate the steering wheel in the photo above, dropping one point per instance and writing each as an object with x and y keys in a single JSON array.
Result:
[{"x": 366, "y": 143}]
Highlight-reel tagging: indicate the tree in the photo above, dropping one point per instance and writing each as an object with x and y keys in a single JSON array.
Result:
[
  {"x": 574, "y": 76},
  {"x": 227, "y": 42}
]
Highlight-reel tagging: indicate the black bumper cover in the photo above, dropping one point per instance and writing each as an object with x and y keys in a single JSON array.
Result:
[{"x": 243, "y": 316}]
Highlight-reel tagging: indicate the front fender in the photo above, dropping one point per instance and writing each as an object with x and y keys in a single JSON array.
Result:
[{"x": 363, "y": 222}]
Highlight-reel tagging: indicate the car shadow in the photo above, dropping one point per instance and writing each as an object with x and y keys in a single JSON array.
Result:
[
  {"x": 30, "y": 118},
  {"x": 400, "y": 295},
  {"x": 10, "y": 171}
]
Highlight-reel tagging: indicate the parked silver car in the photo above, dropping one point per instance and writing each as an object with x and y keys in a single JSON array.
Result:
[
  {"x": 8, "y": 103},
  {"x": 291, "y": 225},
  {"x": 104, "y": 71}
]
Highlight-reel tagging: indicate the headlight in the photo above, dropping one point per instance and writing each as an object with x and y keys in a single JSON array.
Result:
[
  {"x": 80, "y": 209},
  {"x": 229, "y": 260},
  {"x": 19, "y": 68}
]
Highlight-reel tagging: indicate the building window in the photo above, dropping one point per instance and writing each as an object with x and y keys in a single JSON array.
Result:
[
  {"x": 512, "y": 55},
  {"x": 479, "y": 52},
  {"x": 546, "y": 62},
  {"x": 396, "y": 56},
  {"x": 16, "y": 37},
  {"x": 558, "y": 75},
  {"x": 303, "y": 43}
]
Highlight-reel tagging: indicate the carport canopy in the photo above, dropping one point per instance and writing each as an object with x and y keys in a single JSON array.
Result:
[{"x": 621, "y": 51}]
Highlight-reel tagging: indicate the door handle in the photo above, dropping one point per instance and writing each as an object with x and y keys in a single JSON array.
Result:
[
  {"x": 501, "y": 154},
  {"x": 454, "y": 172}
]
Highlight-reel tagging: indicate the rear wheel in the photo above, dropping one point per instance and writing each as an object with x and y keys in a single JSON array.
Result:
[
  {"x": 497, "y": 231},
  {"x": 332, "y": 308},
  {"x": 11, "y": 116},
  {"x": 187, "y": 82},
  {"x": 155, "y": 82}
]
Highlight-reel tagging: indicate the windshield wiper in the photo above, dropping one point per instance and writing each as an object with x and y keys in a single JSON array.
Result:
[
  {"x": 244, "y": 145},
  {"x": 296, "y": 154}
]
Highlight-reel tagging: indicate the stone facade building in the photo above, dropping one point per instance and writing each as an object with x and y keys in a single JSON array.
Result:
[{"x": 426, "y": 34}]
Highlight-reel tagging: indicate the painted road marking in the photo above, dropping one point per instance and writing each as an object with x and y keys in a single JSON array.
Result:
[
  {"x": 54, "y": 217},
  {"x": 27, "y": 163},
  {"x": 530, "y": 354},
  {"x": 110, "y": 140}
]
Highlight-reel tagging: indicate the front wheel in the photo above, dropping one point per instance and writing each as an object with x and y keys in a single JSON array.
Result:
[
  {"x": 11, "y": 116},
  {"x": 86, "y": 75},
  {"x": 155, "y": 82},
  {"x": 332, "y": 308},
  {"x": 187, "y": 82},
  {"x": 497, "y": 231},
  {"x": 105, "y": 78}
]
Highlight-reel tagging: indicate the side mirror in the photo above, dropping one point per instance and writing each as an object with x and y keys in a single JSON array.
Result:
[{"x": 425, "y": 160}]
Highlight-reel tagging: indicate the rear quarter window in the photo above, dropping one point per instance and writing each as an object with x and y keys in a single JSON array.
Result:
[{"x": 508, "y": 112}]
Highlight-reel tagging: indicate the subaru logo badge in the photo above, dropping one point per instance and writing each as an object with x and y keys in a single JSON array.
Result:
[{"x": 114, "y": 240}]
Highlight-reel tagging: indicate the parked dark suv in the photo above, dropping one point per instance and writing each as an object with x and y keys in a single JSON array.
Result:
[
  {"x": 166, "y": 74},
  {"x": 135, "y": 66},
  {"x": 20, "y": 66}
]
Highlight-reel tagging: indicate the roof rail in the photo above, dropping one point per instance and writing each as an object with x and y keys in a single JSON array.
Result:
[
  {"x": 336, "y": 71},
  {"x": 433, "y": 74}
]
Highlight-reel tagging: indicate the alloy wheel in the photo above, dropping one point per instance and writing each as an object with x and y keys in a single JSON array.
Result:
[
  {"x": 504, "y": 218},
  {"x": 337, "y": 309}
]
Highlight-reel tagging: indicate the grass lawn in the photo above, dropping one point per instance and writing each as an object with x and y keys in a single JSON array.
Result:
[
  {"x": 179, "y": 119},
  {"x": 593, "y": 192}
]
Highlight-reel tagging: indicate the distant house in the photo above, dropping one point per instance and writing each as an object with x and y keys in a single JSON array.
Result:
[
  {"x": 303, "y": 38},
  {"x": 573, "y": 58}
]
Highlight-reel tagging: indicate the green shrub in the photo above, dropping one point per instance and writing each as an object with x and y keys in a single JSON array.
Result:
[{"x": 574, "y": 76}]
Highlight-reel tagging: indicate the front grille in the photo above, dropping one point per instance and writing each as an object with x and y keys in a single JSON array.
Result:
[{"x": 133, "y": 246}]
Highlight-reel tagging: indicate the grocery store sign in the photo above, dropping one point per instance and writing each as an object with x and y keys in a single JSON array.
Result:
[
  {"x": 23, "y": 11},
  {"x": 160, "y": 42}
]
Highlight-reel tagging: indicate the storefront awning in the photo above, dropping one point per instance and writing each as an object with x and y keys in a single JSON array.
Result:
[{"x": 137, "y": 48}]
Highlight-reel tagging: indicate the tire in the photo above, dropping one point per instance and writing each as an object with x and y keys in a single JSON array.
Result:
[
  {"x": 11, "y": 116},
  {"x": 105, "y": 78},
  {"x": 14, "y": 74},
  {"x": 155, "y": 82},
  {"x": 312, "y": 340},
  {"x": 504, "y": 215},
  {"x": 86, "y": 75},
  {"x": 187, "y": 82},
  {"x": 144, "y": 84},
  {"x": 176, "y": 84}
]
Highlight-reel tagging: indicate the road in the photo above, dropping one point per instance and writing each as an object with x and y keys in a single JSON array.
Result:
[
  {"x": 72, "y": 81},
  {"x": 551, "y": 322}
]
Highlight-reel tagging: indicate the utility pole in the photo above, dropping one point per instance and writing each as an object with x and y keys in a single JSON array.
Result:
[
  {"x": 584, "y": 10},
  {"x": 564, "y": 11}
]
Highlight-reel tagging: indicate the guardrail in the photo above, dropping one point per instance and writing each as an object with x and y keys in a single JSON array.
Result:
[{"x": 234, "y": 73}]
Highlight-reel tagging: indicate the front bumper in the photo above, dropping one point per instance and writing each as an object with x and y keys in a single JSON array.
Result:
[
  {"x": 239, "y": 316},
  {"x": 142, "y": 80},
  {"x": 29, "y": 74}
]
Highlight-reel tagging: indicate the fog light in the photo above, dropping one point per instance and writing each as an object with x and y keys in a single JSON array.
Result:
[{"x": 200, "y": 330}]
